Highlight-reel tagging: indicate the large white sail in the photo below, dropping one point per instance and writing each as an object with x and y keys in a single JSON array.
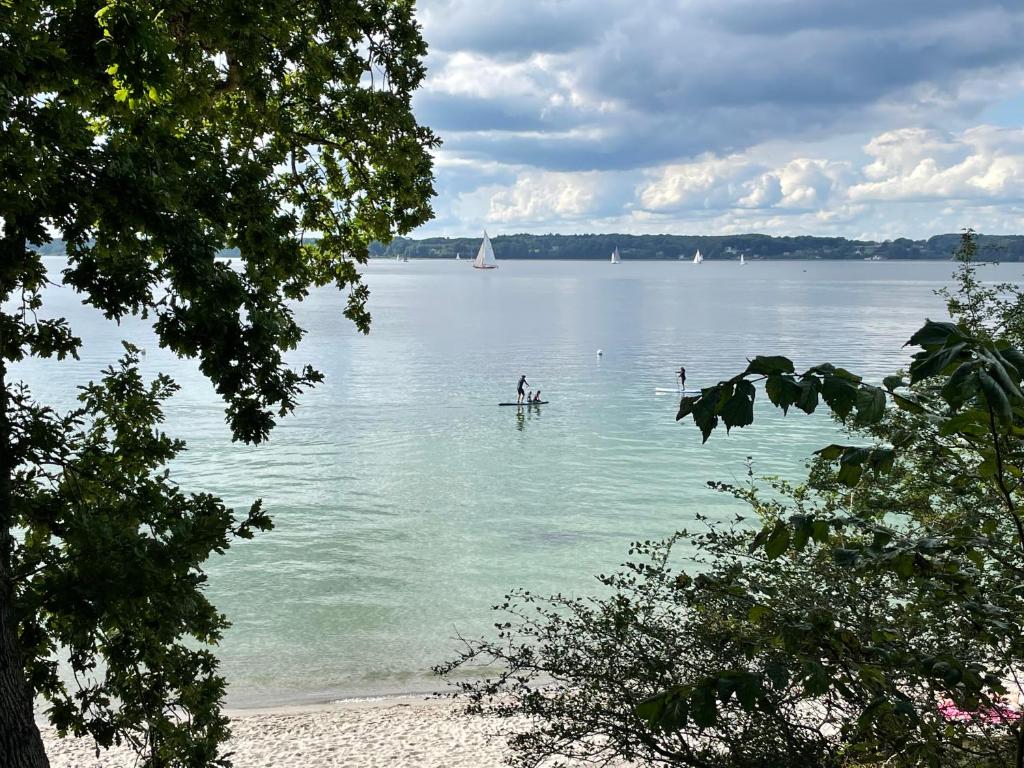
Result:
[
  {"x": 697, "y": 258},
  {"x": 615, "y": 256},
  {"x": 742, "y": 260},
  {"x": 485, "y": 257}
]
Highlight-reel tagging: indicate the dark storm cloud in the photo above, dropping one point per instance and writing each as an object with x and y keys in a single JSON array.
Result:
[
  {"x": 610, "y": 85},
  {"x": 507, "y": 29}
]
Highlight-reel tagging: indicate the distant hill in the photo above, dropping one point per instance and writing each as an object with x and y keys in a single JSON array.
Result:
[{"x": 672, "y": 247}]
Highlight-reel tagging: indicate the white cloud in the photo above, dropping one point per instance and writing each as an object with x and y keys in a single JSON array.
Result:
[
  {"x": 704, "y": 183},
  {"x": 540, "y": 197},
  {"x": 901, "y": 185},
  {"x": 983, "y": 162}
]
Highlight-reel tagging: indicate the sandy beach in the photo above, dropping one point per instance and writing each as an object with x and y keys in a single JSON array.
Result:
[{"x": 380, "y": 733}]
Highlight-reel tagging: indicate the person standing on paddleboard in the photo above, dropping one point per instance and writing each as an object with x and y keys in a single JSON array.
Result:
[
  {"x": 682, "y": 377},
  {"x": 520, "y": 391}
]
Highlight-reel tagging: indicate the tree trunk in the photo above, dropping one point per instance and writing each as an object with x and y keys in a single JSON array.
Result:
[{"x": 21, "y": 746}]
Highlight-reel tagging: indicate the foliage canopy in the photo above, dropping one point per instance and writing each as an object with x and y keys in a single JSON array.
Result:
[{"x": 148, "y": 136}]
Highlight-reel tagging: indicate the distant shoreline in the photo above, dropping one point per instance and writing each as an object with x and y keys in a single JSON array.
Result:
[
  {"x": 681, "y": 248},
  {"x": 649, "y": 260}
]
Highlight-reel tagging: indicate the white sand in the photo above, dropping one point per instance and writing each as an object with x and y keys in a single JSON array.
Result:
[{"x": 382, "y": 733}]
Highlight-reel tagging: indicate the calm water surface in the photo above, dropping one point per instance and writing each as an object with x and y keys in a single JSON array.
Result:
[{"x": 406, "y": 502}]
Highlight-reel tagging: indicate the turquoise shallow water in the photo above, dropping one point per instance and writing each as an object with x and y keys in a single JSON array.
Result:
[{"x": 406, "y": 503}]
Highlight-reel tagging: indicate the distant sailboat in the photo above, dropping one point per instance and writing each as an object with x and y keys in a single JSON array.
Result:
[
  {"x": 457, "y": 257},
  {"x": 615, "y": 256},
  {"x": 485, "y": 256},
  {"x": 742, "y": 260},
  {"x": 697, "y": 258}
]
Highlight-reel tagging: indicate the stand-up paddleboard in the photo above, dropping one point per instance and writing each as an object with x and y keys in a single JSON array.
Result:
[
  {"x": 532, "y": 402},
  {"x": 676, "y": 391}
]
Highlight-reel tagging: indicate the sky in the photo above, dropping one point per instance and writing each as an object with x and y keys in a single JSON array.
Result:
[{"x": 861, "y": 118}]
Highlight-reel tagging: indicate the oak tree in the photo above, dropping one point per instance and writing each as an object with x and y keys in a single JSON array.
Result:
[{"x": 149, "y": 136}]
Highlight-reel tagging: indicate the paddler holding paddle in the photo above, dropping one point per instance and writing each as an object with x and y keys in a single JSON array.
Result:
[{"x": 520, "y": 388}]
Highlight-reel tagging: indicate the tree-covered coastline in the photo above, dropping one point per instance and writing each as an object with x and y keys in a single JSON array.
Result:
[
  {"x": 674, "y": 247},
  {"x": 720, "y": 247}
]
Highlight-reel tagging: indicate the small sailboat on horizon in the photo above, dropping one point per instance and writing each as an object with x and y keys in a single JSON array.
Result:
[
  {"x": 742, "y": 260},
  {"x": 615, "y": 256},
  {"x": 485, "y": 257},
  {"x": 697, "y": 258}
]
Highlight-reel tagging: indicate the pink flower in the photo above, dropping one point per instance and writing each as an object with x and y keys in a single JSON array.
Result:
[{"x": 996, "y": 713}]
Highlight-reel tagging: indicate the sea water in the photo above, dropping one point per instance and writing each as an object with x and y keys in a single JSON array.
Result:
[{"x": 406, "y": 502}]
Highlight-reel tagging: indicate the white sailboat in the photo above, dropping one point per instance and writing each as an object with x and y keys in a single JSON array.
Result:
[
  {"x": 457, "y": 256},
  {"x": 485, "y": 256},
  {"x": 742, "y": 260},
  {"x": 697, "y": 258},
  {"x": 615, "y": 256}
]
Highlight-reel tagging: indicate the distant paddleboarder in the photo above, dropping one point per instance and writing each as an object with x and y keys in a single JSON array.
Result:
[
  {"x": 521, "y": 388},
  {"x": 682, "y": 377}
]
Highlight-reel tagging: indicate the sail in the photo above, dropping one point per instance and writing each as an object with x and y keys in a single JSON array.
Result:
[
  {"x": 697, "y": 258},
  {"x": 742, "y": 260},
  {"x": 485, "y": 257},
  {"x": 615, "y": 256}
]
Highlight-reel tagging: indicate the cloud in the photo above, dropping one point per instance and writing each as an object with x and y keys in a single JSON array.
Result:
[
  {"x": 634, "y": 83},
  {"x": 565, "y": 114},
  {"x": 908, "y": 182},
  {"x": 984, "y": 163}
]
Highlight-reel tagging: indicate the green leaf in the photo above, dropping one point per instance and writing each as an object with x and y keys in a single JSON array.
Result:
[
  {"x": 778, "y": 675},
  {"x": 759, "y": 539},
  {"x": 933, "y": 334},
  {"x": 907, "y": 403},
  {"x": 778, "y": 541},
  {"x": 932, "y": 363},
  {"x": 962, "y": 385},
  {"x": 844, "y": 556},
  {"x": 739, "y": 409},
  {"x": 893, "y": 382},
  {"x": 996, "y": 398},
  {"x": 1014, "y": 357},
  {"x": 704, "y": 706},
  {"x": 808, "y": 398},
  {"x": 758, "y": 612},
  {"x": 686, "y": 406},
  {"x": 870, "y": 405},
  {"x": 831, "y": 452},
  {"x": 999, "y": 373},
  {"x": 782, "y": 391},
  {"x": 705, "y": 410},
  {"x": 839, "y": 394},
  {"x": 971, "y": 422},
  {"x": 767, "y": 366}
]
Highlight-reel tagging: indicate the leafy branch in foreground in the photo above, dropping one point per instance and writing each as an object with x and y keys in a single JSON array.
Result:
[
  {"x": 108, "y": 573},
  {"x": 872, "y": 616},
  {"x": 149, "y": 137}
]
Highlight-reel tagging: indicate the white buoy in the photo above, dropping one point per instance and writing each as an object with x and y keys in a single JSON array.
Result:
[{"x": 600, "y": 352}]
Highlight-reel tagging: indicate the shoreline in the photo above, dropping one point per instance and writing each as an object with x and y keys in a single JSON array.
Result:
[
  {"x": 354, "y": 703},
  {"x": 348, "y": 733}
]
